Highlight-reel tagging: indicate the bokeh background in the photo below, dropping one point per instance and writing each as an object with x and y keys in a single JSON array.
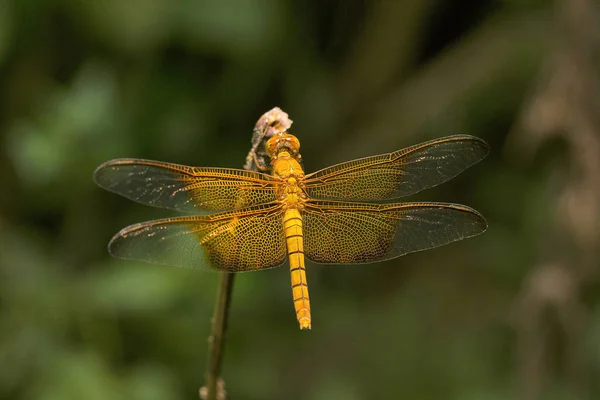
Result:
[{"x": 511, "y": 314}]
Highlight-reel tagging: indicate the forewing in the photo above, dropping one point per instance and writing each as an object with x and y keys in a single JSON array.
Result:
[
  {"x": 354, "y": 233},
  {"x": 245, "y": 240},
  {"x": 183, "y": 188},
  {"x": 401, "y": 173}
]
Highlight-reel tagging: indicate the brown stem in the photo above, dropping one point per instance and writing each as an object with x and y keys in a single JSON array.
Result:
[
  {"x": 272, "y": 122},
  {"x": 216, "y": 341}
]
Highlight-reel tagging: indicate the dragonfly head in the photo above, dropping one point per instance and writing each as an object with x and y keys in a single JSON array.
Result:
[{"x": 282, "y": 141}]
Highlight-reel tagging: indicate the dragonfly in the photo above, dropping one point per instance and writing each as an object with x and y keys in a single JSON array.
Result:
[{"x": 343, "y": 214}]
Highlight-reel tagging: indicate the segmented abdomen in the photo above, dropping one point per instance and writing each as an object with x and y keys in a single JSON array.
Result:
[{"x": 292, "y": 223}]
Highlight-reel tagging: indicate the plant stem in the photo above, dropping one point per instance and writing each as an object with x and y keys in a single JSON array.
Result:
[
  {"x": 216, "y": 341},
  {"x": 272, "y": 122}
]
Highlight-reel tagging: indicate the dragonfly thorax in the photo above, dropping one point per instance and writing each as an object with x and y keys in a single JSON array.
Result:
[
  {"x": 292, "y": 194},
  {"x": 285, "y": 165},
  {"x": 283, "y": 150}
]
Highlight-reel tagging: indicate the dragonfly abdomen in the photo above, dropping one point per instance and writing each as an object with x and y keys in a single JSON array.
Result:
[{"x": 292, "y": 225}]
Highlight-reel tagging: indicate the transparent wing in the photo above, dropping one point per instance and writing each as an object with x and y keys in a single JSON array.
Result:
[
  {"x": 183, "y": 188},
  {"x": 401, "y": 173},
  {"x": 243, "y": 240},
  {"x": 354, "y": 233}
]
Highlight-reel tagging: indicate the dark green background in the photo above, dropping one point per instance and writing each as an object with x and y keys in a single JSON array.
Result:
[{"x": 513, "y": 313}]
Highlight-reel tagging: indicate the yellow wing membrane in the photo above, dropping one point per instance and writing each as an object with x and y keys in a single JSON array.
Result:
[
  {"x": 355, "y": 233},
  {"x": 401, "y": 173},
  {"x": 244, "y": 240},
  {"x": 183, "y": 188}
]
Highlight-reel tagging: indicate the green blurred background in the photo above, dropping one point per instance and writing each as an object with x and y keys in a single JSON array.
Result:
[{"x": 511, "y": 314}]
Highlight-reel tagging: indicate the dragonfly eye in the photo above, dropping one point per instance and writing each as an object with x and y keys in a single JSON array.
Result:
[{"x": 282, "y": 140}]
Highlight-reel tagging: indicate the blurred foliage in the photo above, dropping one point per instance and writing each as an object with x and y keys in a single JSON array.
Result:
[{"x": 82, "y": 82}]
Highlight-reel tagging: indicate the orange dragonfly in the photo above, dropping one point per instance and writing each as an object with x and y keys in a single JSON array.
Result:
[{"x": 247, "y": 221}]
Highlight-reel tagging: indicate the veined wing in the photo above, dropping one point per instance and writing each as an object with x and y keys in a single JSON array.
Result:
[
  {"x": 183, "y": 188},
  {"x": 241, "y": 240},
  {"x": 355, "y": 233},
  {"x": 401, "y": 173}
]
